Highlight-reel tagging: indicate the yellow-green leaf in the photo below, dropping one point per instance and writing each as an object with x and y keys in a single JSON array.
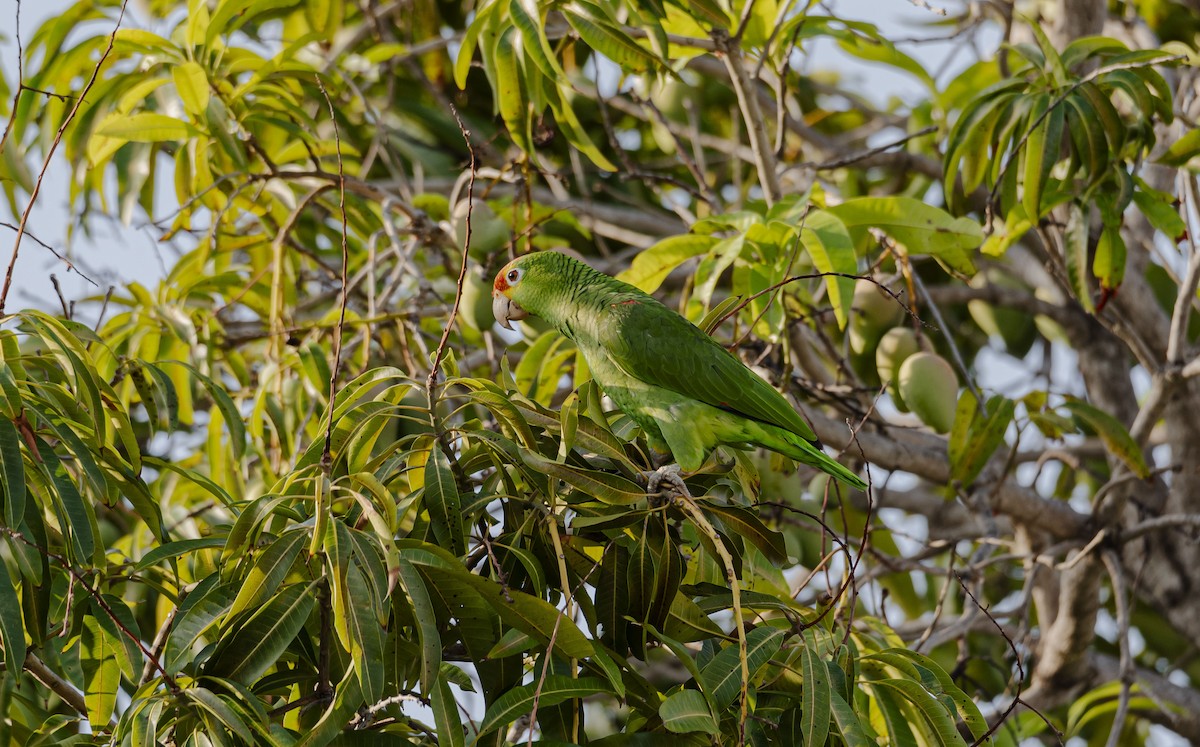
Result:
[
  {"x": 147, "y": 127},
  {"x": 191, "y": 83}
]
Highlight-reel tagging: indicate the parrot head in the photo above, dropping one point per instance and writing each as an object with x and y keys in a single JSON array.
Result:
[
  {"x": 507, "y": 290},
  {"x": 540, "y": 283},
  {"x": 515, "y": 293}
]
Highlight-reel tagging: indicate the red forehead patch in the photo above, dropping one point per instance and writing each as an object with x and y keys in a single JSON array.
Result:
[{"x": 501, "y": 283}]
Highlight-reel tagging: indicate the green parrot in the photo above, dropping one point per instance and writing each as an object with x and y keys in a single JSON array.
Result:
[{"x": 681, "y": 386}]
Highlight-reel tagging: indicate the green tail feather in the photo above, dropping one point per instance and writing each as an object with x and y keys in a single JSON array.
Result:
[{"x": 795, "y": 447}]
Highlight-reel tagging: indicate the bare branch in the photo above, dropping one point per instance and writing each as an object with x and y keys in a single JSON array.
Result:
[{"x": 58, "y": 136}]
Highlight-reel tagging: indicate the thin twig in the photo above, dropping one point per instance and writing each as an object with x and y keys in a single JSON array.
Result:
[
  {"x": 101, "y": 602},
  {"x": 955, "y": 353},
  {"x": 1121, "y": 600},
  {"x": 928, "y": 7},
  {"x": 810, "y": 276},
  {"x": 12, "y": 119},
  {"x": 1177, "y": 340},
  {"x": 440, "y": 351},
  {"x": 58, "y": 291},
  {"x": 37, "y": 187},
  {"x": 71, "y": 267},
  {"x": 327, "y": 452},
  {"x": 853, "y": 158},
  {"x": 703, "y": 524},
  {"x": 546, "y": 661},
  {"x": 1016, "y": 655}
]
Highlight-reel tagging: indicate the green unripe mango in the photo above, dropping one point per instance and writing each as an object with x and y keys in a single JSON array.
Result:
[
  {"x": 895, "y": 347},
  {"x": 489, "y": 232},
  {"x": 475, "y": 309},
  {"x": 436, "y": 206},
  {"x": 874, "y": 312},
  {"x": 929, "y": 387}
]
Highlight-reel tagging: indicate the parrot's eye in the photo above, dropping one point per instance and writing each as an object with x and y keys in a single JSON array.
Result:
[{"x": 513, "y": 276}]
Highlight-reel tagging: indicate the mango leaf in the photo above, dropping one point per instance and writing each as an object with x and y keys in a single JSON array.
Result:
[
  {"x": 651, "y": 266},
  {"x": 716, "y": 314},
  {"x": 1075, "y": 252},
  {"x": 745, "y": 523},
  {"x": 1016, "y": 225},
  {"x": 442, "y": 501},
  {"x": 510, "y": 96},
  {"x": 426, "y": 621},
  {"x": 526, "y": 16},
  {"x": 932, "y": 711},
  {"x": 875, "y": 48},
  {"x": 246, "y": 653},
  {"x": 12, "y": 624},
  {"x": 968, "y": 711},
  {"x": 1114, "y": 435},
  {"x": 577, "y": 134},
  {"x": 229, "y": 410},
  {"x": 533, "y": 616},
  {"x": 144, "y": 42},
  {"x": 605, "y": 487},
  {"x": 147, "y": 127},
  {"x": 1041, "y": 151},
  {"x": 976, "y": 434},
  {"x": 722, "y": 677},
  {"x": 98, "y": 652},
  {"x": 847, "y": 724},
  {"x": 921, "y": 228},
  {"x": 366, "y": 641},
  {"x": 554, "y": 689},
  {"x": 1109, "y": 263},
  {"x": 198, "y": 613},
  {"x": 269, "y": 571},
  {"x": 79, "y": 513},
  {"x": 828, "y": 243},
  {"x": 222, "y": 711},
  {"x": 598, "y": 32},
  {"x": 687, "y": 711},
  {"x": 176, "y": 549},
  {"x": 12, "y": 475},
  {"x": 191, "y": 82},
  {"x": 516, "y": 609},
  {"x": 445, "y": 714},
  {"x": 816, "y": 696},
  {"x": 117, "y": 620},
  {"x": 1182, "y": 150},
  {"x": 1159, "y": 209}
]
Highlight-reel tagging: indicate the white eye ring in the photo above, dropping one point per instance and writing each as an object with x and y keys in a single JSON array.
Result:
[{"x": 513, "y": 276}]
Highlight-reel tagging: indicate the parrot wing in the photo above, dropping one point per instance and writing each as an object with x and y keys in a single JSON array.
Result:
[{"x": 652, "y": 343}]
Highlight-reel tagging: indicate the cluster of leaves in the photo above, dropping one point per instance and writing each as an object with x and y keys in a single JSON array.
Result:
[
  {"x": 191, "y": 519},
  {"x": 1065, "y": 130},
  {"x": 345, "y": 586}
]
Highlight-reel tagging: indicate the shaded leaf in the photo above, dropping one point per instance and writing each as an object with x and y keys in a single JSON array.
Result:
[{"x": 688, "y": 711}]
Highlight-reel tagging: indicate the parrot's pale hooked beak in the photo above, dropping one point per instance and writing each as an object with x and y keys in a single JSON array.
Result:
[{"x": 506, "y": 310}]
